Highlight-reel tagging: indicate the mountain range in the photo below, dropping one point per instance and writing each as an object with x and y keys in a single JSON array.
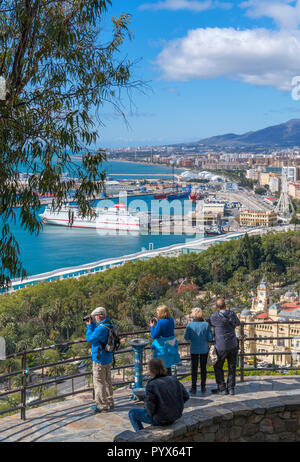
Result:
[{"x": 283, "y": 135}]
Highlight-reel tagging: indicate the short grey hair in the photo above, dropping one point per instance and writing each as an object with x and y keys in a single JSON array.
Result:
[{"x": 197, "y": 312}]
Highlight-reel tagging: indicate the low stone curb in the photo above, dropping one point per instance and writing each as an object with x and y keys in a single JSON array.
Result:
[{"x": 254, "y": 420}]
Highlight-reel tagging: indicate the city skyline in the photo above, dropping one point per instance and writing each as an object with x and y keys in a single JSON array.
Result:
[{"x": 212, "y": 67}]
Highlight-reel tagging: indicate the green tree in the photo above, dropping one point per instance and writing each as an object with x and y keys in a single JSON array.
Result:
[
  {"x": 59, "y": 71},
  {"x": 151, "y": 288}
]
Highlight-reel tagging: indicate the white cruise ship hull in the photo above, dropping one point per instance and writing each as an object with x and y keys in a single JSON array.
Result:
[
  {"x": 93, "y": 224},
  {"x": 123, "y": 221}
]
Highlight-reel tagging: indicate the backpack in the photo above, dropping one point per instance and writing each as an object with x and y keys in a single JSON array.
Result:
[{"x": 113, "y": 341}]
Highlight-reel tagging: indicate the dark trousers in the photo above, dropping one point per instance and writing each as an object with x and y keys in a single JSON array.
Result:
[
  {"x": 195, "y": 361},
  {"x": 231, "y": 356}
]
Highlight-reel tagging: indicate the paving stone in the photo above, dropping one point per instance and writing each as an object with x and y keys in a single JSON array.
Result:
[
  {"x": 72, "y": 419},
  {"x": 250, "y": 429},
  {"x": 255, "y": 418},
  {"x": 238, "y": 408},
  {"x": 159, "y": 434},
  {"x": 223, "y": 413},
  {"x": 291, "y": 425},
  {"x": 257, "y": 438},
  {"x": 235, "y": 432},
  {"x": 205, "y": 438},
  {"x": 127, "y": 435},
  {"x": 188, "y": 423},
  {"x": 286, "y": 436},
  {"x": 271, "y": 438},
  {"x": 266, "y": 426}
]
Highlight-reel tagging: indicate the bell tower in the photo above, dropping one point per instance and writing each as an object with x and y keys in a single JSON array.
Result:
[{"x": 262, "y": 300}]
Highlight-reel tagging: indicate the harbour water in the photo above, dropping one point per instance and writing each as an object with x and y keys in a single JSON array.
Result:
[
  {"x": 122, "y": 170},
  {"x": 58, "y": 247}
]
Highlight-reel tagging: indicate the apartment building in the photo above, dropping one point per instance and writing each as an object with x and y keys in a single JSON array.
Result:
[
  {"x": 264, "y": 178},
  {"x": 258, "y": 218},
  {"x": 294, "y": 190}
]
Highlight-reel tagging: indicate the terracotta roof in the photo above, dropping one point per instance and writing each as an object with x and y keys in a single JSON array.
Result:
[
  {"x": 262, "y": 316},
  {"x": 289, "y": 306}
]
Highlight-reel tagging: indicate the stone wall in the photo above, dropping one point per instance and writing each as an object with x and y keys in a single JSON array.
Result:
[{"x": 254, "y": 420}]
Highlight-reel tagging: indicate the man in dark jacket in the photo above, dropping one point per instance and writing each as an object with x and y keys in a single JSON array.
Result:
[
  {"x": 165, "y": 398},
  {"x": 224, "y": 322}
]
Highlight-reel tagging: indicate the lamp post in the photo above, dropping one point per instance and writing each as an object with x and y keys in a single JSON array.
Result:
[{"x": 138, "y": 345}]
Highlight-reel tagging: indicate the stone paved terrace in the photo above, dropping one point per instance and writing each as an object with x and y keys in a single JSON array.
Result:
[{"x": 73, "y": 421}]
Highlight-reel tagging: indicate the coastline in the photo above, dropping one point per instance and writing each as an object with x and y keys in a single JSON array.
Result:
[
  {"x": 57, "y": 247},
  {"x": 104, "y": 264},
  {"x": 143, "y": 163}
]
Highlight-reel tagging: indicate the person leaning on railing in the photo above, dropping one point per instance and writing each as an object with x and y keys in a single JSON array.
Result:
[
  {"x": 97, "y": 336},
  {"x": 198, "y": 332},
  {"x": 165, "y": 345}
]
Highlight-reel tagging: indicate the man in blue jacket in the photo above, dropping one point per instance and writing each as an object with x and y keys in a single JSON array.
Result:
[
  {"x": 97, "y": 336},
  {"x": 224, "y": 322}
]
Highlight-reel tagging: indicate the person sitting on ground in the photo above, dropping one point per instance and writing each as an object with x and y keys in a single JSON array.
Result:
[
  {"x": 165, "y": 345},
  {"x": 164, "y": 401},
  {"x": 199, "y": 333}
]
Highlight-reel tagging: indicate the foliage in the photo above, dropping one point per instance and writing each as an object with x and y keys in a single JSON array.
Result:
[
  {"x": 11, "y": 401},
  {"x": 260, "y": 191},
  {"x": 60, "y": 67},
  {"x": 51, "y": 312}
]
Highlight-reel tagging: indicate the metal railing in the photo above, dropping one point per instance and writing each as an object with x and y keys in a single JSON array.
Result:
[
  {"x": 25, "y": 371},
  {"x": 243, "y": 338}
]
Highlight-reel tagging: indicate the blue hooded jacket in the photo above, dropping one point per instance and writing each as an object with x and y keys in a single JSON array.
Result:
[
  {"x": 97, "y": 334},
  {"x": 199, "y": 333}
]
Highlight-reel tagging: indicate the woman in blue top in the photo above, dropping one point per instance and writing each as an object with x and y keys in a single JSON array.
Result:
[
  {"x": 199, "y": 333},
  {"x": 165, "y": 345}
]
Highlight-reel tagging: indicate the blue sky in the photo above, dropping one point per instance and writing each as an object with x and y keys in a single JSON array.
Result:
[{"x": 212, "y": 67}]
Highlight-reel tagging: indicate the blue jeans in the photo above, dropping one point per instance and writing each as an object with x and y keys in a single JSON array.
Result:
[{"x": 137, "y": 416}]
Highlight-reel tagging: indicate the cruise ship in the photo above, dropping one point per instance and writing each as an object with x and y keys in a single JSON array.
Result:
[{"x": 116, "y": 218}]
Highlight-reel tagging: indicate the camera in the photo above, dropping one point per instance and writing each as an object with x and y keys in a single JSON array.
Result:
[
  {"x": 154, "y": 320},
  {"x": 87, "y": 318}
]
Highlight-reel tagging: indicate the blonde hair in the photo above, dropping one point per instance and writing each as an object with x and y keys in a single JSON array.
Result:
[
  {"x": 163, "y": 312},
  {"x": 197, "y": 312}
]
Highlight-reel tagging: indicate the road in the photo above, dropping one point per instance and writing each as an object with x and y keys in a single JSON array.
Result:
[{"x": 247, "y": 198}]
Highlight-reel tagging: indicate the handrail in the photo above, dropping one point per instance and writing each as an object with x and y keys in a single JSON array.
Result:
[{"x": 24, "y": 371}]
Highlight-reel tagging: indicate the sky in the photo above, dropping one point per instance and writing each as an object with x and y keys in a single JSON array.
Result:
[{"x": 210, "y": 67}]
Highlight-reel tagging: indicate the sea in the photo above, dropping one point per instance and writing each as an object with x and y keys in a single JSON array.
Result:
[{"x": 58, "y": 247}]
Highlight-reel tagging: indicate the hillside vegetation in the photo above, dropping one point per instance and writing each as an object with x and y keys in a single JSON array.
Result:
[{"x": 51, "y": 312}]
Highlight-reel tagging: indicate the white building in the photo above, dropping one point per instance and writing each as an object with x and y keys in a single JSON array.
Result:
[
  {"x": 291, "y": 173},
  {"x": 274, "y": 184}
]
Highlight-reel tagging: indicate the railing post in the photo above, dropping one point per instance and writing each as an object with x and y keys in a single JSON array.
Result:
[
  {"x": 255, "y": 351},
  {"x": 23, "y": 392},
  {"x": 242, "y": 351}
]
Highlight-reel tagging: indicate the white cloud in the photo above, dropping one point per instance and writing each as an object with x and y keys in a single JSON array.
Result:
[
  {"x": 190, "y": 5},
  {"x": 285, "y": 13},
  {"x": 257, "y": 56}
]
